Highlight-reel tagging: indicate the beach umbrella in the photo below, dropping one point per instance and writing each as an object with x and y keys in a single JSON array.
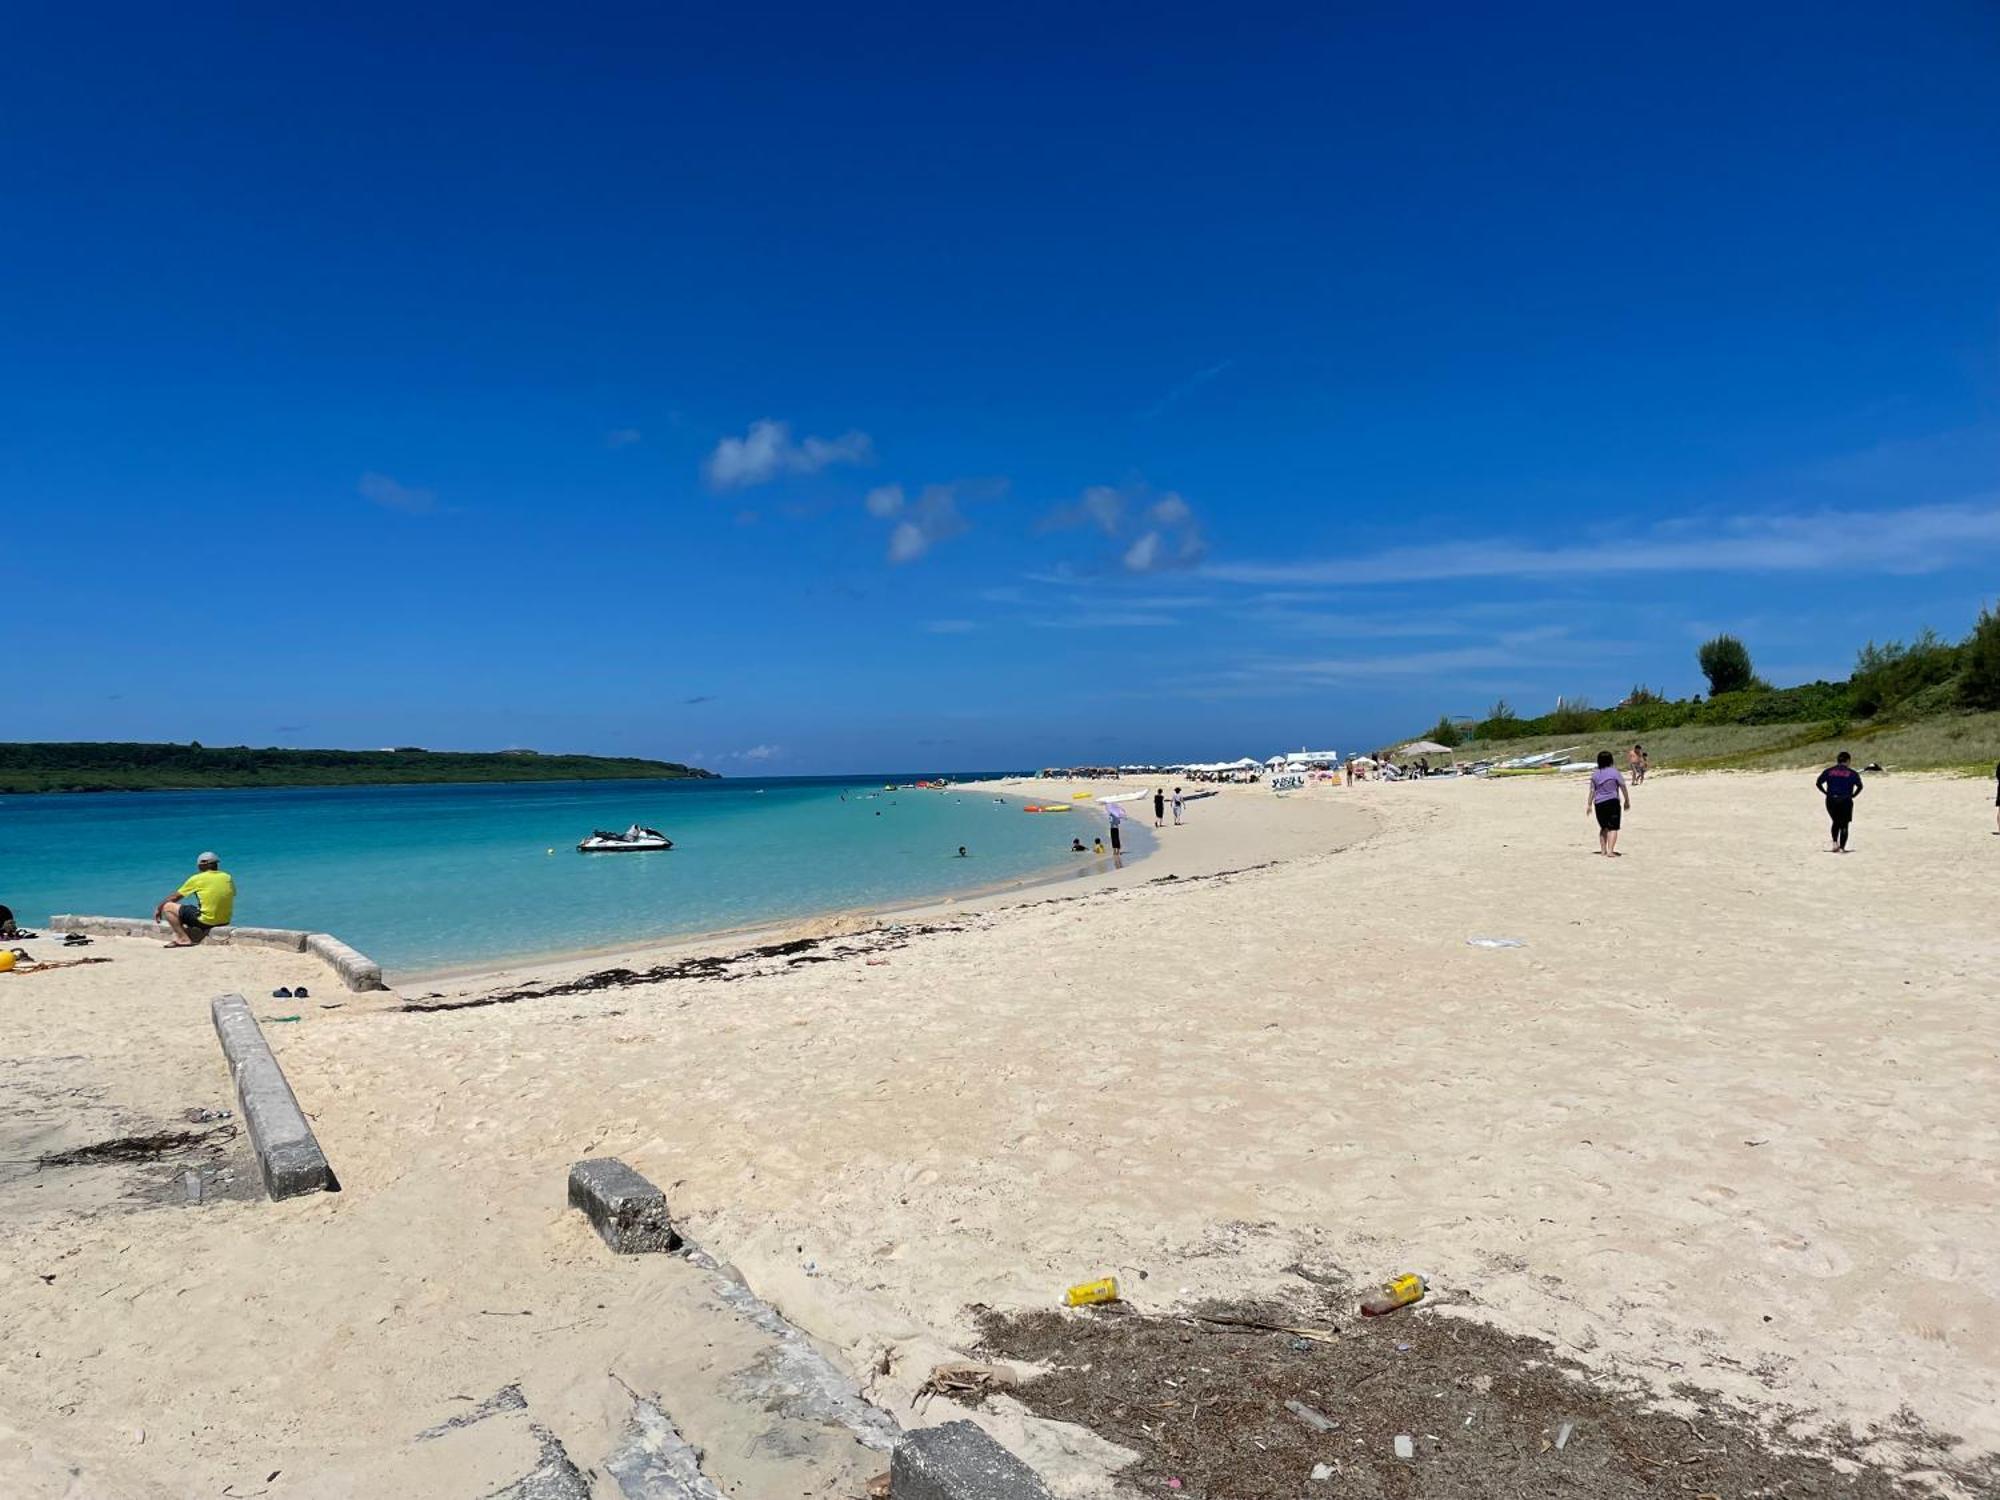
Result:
[{"x": 1423, "y": 747}]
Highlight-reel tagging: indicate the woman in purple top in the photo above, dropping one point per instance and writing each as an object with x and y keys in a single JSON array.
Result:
[{"x": 1608, "y": 800}]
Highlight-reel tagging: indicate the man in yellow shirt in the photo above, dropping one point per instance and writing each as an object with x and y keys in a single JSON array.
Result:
[{"x": 213, "y": 903}]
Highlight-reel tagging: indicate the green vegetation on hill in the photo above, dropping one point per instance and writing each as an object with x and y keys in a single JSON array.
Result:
[
  {"x": 1925, "y": 702},
  {"x": 114, "y": 767}
]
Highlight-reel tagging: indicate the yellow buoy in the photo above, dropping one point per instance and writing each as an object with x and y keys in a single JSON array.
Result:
[{"x": 6, "y": 961}]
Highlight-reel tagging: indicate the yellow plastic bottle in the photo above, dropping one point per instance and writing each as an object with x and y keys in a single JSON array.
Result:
[
  {"x": 1399, "y": 1292},
  {"x": 1088, "y": 1293}
]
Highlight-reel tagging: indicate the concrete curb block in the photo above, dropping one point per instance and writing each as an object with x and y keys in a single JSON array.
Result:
[
  {"x": 283, "y": 938},
  {"x": 139, "y": 927},
  {"x": 288, "y": 1155},
  {"x": 359, "y": 970},
  {"x": 628, "y": 1212},
  {"x": 356, "y": 969},
  {"x": 958, "y": 1461}
]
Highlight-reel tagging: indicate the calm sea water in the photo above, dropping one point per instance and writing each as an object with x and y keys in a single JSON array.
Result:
[{"x": 429, "y": 877}]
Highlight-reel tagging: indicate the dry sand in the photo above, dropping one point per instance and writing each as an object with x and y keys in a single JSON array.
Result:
[{"x": 1726, "y": 1118}]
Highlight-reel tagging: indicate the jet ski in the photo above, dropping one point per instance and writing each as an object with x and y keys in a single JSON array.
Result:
[{"x": 633, "y": 840}]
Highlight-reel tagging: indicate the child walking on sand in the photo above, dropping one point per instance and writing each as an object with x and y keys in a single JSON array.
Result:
[{"x": 1609, "y": 799}]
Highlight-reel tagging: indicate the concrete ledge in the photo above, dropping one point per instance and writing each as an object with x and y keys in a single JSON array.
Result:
[
  {"x": 140, "y": 927},
  {"x": 958, "y": 1461},
  {"x": 287, "y": 1153},
  {"x": 628, "y": 1212},
  {"x": 283, "y": 938},
  {"x": 356, "y": 969}
]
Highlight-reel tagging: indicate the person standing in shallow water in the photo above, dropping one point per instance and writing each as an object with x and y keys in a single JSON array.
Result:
[
  {"x": 1840, "y": 784},
  {"x": 1607, "y": 801}
]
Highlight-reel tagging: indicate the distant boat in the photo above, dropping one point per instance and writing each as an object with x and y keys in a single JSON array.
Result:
[{"x": 634, "y": 840}]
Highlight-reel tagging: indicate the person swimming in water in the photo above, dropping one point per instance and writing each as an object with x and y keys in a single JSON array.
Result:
[
  {"x": 1097, "y": 846},
  {"x": 1076, "y": 847},
  {"x": 961, "y": 851}
]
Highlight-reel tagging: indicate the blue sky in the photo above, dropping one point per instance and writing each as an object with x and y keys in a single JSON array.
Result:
[{"x": 798, "y": 389}]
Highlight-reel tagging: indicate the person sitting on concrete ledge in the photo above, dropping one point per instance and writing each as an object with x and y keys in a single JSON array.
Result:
[{"x": 214, "y": 902}]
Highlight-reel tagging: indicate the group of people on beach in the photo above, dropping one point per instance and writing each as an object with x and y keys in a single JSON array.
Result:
[{"x": 1610, "y": 797}]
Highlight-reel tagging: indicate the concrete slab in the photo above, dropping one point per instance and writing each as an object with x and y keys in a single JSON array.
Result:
[
  {"x": 285, "y": 939},
  {"x": 356, "y": 969},
  {"x": 628, "y": 1212},
  {"x": 958, "y": 1461},
  {"x": 288, "y": 1154}
]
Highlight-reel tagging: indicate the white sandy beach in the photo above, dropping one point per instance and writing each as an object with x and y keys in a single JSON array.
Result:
[{"x": 1725, "y": 1118}]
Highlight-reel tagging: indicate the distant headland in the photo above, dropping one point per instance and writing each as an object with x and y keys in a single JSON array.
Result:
[{"x": 132, "y": 767}]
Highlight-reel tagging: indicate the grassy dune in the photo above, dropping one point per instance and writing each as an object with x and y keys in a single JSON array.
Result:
[{"x": 1958, "y": 742}]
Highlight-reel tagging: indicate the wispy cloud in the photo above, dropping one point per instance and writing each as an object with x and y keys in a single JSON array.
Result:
[
  {"x": 1916, "y": 539},
  {"x": 919, "y": 524},
  {"x": 392, "y": 494},
  {"x": 1100, "y": 506},
  {"x": 1186, "y": 388},
  {"x": 767, "y": 452},
  {"x": 950, "y": 627},
  {"x": 1106, "y": 619},
  {"x": 623, "y": 437},
  {"x": 758, "y": 752},
  {"x": 1153, "y": 533}
]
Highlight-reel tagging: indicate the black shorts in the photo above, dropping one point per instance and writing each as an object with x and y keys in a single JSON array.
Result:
[
  {"x": 1114, "y": 837},
  {"x": 1840, "y": 809},
  {"x": 1610, "y": 812}
]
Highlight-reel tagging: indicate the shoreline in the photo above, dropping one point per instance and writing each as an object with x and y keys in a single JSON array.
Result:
[{"x": 1149, "y": 863}]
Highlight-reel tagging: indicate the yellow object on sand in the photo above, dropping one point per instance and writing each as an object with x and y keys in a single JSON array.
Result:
[
  {"x": 1084, "y": 1294},
  {"x": 6, "y": 961},
  {"x": 1078, "y": 796}
]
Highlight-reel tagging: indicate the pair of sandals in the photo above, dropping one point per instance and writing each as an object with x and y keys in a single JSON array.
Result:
[
  {"x": 301, "y": 993},
  {"x": 70, "y": 939}
]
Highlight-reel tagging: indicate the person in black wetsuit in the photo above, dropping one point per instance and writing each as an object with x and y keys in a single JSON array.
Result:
[{"x": 1841, "y": 784}]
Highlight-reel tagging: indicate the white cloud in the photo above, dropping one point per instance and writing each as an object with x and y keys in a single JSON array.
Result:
[
  {"x": 1144, "y": 555},
  {"x": 1918, "y": 539},
  {"x": 931, "y": 518},
  {"x": 623, "y": 437},
  {"x": 760, "y": 752},
  {"x": 1100, "y": 506},
  {"x": 391, "y": 494},
  {"x": 767, "y": 452},
  {"x": 1167, "y": 536}
]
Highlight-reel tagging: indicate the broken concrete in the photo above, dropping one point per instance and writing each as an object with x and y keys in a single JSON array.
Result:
[
  {"x": 958, "y": 1461},
  {"x": 288, "y": 1154},
  {"x": 628, "y": 1212},
  {"x": 793, "y": 1378},
  {"x": 554, "y": 1476},
  {"x": 654, "y": 1462}
]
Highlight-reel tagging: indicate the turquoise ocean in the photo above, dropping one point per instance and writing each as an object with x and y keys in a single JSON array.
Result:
[{"x": 432, "y": 877}]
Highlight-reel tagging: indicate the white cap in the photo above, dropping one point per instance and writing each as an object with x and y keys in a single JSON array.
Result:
[{"x": 208, "y": 857}]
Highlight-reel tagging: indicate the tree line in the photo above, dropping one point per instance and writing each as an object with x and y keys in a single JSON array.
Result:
[
  {"x": 115, "y": 766},
  {"x": 1898, "y": 679}
]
